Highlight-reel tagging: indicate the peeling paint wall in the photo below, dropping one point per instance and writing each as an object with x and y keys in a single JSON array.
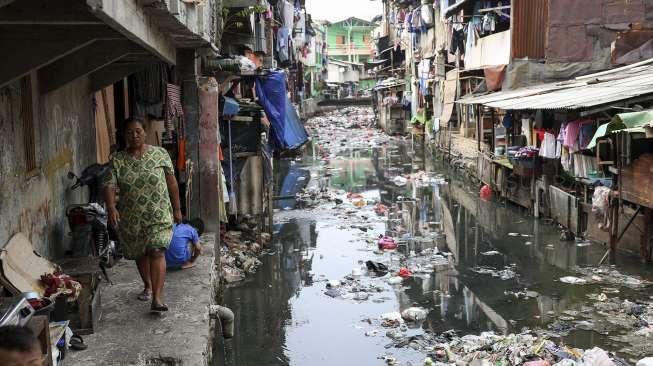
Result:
[{"x": 65, "y": 141}]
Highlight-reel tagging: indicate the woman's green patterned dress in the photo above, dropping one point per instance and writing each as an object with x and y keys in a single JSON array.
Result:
[{"x": 144, "y": 202}]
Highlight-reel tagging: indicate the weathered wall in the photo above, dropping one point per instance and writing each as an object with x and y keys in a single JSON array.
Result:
[
  {"x": 65, "y": 140},
  {"x": 578, "y": 39},
  {"x": 583, "y": 30}
]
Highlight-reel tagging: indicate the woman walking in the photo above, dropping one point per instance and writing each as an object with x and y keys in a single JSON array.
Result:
[{"x": 148, "y": 202}]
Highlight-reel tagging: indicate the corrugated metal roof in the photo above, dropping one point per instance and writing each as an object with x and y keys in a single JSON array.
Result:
[{"x": 582, "y": 92}]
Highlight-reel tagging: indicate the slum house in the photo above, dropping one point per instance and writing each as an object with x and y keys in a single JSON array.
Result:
[
  {"x": 259, "y": 74},
  {"x": 403, "y": 39},
  {"x": 314, "y": 59},
  {"x": 577, "y": 149},
  {"x": 344, "y": 79},
  {"x": 73, "y": 73},
  {"x": 520, "y": 43},
  {"x": 65, "y": 96},
  {"x": 446, "y": 58},
  {"x": 350, "y": 40},
  {"x": 489, "y": 46},
  {"x": 388, "y": 68}
]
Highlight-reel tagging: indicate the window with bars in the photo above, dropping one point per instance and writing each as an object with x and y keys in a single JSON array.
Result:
[{"x": 27, "y": 119}]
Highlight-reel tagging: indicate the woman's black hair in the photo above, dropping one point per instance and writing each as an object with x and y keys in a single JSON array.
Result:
[{"x": 134, "y": 120}]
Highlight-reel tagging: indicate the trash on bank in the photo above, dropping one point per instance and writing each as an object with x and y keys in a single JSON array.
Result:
[
  {"x": 241, "y": 249},
  {"x": 414, "y": 314},
  {"x": 387, "y": 243}
]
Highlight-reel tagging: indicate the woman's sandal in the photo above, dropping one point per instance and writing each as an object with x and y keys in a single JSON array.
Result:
[
  {"x": 160, "y": 308},
  {"x": 145, "y": 296}
]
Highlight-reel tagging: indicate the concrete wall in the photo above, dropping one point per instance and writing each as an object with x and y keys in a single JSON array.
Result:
[{"x": 65, "y": 140}]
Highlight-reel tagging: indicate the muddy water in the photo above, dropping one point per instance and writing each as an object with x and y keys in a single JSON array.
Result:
[{"x": 504, "y": 277}]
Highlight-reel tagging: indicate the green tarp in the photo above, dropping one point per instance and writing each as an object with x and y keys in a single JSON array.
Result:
[{"x": 622, "y": 121}]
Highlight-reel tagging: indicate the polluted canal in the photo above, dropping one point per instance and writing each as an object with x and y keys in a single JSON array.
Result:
[{"x": 381, "y": 256}]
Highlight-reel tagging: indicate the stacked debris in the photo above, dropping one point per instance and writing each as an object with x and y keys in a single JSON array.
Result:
[{"x": 241, "y": 249}]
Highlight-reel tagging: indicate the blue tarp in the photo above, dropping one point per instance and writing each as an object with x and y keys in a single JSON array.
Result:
[
  {"x": 294, "y": 133},
  {"x": 286, "y": 130}
]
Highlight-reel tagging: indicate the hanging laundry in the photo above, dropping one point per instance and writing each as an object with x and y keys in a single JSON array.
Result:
[
  {"x": 148, "y": 90},
  {"x": 423, "y": 70},
  {"x": 489, "y": 23},
  {"x": 562, "y": 133},
  {"x": 287, "y": 11},
  {"x": 283, "y": 36},
  {"x": 427, "y": 15},
  {"x": 471, "y": 41},
  {"x": 548, "y": 147},
  {"x": 297, "y": 10},
  {"x": 401, "y": 16},
  {"x": 457, "y": 40},
  {"x": 526, "y": 131},
  {"x": 572, "y": 132},
  {"x": 566, "y": 160},
  {"x": 507, "y": 120}
]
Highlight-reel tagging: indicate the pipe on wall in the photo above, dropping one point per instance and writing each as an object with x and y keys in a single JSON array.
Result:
[{"x": 226, "y": 318}]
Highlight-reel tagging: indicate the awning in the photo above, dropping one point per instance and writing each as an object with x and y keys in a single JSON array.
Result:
[
  {"x": 390, "y": 85},
  {"x": 633, "y": 121},
  {"x": 374, "y": 63},
  {"x": 582, "y": 92},
  {"x": 451, "y": 10}
]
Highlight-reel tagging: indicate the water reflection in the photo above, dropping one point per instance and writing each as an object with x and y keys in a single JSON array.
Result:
[
  {"x": 283, "y": 317},
  {"x": 262, "y": 304}
]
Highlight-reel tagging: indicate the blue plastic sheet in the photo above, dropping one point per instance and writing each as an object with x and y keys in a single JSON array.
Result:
[
  {"x": 286, "y": 130},
  {"x": 294, "y": 133},
  {"x": 231, "y": 107}
]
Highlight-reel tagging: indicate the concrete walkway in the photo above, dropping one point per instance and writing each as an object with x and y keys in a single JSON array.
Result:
[{"x": 129, "y": 335}]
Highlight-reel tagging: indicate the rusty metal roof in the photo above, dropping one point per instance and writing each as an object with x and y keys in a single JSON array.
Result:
[{"x": 581, "y": 92}]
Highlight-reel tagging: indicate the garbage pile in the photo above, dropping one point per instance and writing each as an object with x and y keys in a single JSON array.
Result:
[
  {"x": 490, "y": 349},
  {"x": 240, "y": 250},
  {"x": 347, "y": 128},
  {"x": 609, "y": 275}
]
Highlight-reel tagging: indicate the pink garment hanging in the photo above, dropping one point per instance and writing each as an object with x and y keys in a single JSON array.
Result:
[{"x": 573, "y": 130}]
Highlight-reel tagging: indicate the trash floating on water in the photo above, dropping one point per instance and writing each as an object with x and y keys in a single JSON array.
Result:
[
  {"x": 387, "y": 243},
  {"x": 490, "y": 253},
  {"x": 400, "y": 181},
  {"x": 394, "y": 280},
  {"x": 504, "y": 274},
  {"x": 404, "y": 273},
  {"x": 573, "y": 280},
  {"x": 376, "y": 267}
]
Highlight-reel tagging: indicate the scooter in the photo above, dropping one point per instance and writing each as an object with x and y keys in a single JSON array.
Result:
[{"x": 90, "y": 231}]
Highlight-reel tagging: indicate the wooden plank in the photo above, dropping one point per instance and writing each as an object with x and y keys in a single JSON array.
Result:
[
  {"x": 101, "y": 129},
  {"x": 637, "y": 181}
]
